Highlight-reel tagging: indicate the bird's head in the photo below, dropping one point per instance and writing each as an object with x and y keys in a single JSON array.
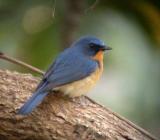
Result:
[{"x": 90, "y": 46}]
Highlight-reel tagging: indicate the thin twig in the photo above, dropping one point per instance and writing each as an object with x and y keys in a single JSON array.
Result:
[
  {"x": 15, "y": 61},
  {"x": 54, "y": 9},
  {"x": 92, "y": 6}
]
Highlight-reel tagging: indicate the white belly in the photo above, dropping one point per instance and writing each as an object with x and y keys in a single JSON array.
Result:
[{"x": 81, "y": 87}]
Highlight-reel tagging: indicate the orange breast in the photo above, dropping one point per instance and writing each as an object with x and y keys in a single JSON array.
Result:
[{"x": 99, "y": 57}]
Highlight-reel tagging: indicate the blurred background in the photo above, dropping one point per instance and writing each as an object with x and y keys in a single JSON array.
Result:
[{"x": 36, "y": 31}]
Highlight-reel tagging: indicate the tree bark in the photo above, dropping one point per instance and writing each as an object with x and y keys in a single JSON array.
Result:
[{"x": 58, "y": 117}]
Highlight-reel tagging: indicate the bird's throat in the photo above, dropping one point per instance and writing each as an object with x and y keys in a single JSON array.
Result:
[{"x": 99, "y": 58}]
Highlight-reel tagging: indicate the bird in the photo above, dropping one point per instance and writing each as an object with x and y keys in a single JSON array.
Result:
[{"x": 74, "y": 72}]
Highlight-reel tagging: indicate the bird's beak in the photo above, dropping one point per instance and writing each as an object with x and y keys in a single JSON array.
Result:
[{"x": 105, "y": 48}]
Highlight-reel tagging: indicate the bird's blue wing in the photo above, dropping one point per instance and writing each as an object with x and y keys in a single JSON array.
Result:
[
  {"x": 72, "y": 72},
  {"x": 66, "y": 69},
  {"x": 59, "y": 61}
]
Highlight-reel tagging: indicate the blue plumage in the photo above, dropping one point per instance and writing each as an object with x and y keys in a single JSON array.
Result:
[
  {"x": 73, "y": 64},
  {"x": 32, "y": 102}
]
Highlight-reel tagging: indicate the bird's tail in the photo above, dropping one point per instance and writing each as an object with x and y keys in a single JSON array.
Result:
[{"x": 36, "y": 99}]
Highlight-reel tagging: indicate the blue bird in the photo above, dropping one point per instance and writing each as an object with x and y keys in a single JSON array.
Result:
[{"x": 74, "y": 72}]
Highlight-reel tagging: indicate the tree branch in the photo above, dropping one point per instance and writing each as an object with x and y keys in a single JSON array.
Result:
[
  {"x": 18, "y": 62},
  {"x": 58, "y": 117}
]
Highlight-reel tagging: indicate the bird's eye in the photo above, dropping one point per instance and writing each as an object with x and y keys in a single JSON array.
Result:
[{"x": 92, "y": 45}]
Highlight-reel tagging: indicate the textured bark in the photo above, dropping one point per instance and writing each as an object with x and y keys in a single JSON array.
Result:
[{"x": 58, "y": 117}]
